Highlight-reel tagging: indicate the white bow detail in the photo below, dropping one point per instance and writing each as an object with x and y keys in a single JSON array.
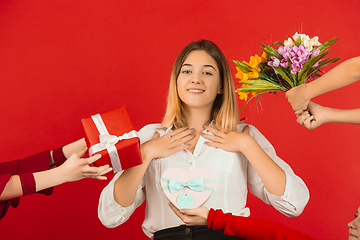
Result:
[{"x": 107, "y": 141}]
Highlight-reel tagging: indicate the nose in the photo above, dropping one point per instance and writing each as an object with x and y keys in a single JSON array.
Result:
[
  {"x": 352, "y": 225},
  {"x": 195, "y": 81},
  {"x": 196, "y": 78}
]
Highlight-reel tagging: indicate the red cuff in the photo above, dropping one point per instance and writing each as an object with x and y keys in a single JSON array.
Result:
[
  {"x": 27, "y": 183},
  {"x": 210, "y": 218},
  {"x": 58, "y": 156}
]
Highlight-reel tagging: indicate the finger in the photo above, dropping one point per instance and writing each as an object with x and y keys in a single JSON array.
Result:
[
  {"x": 177, "y": 131},
  {"x": 213, "y": 144},
  {"x": 215, "y": 131},
  {"x": 302, "y": 117},
  {"x": 246, "y": 130},
  {"x": 190, "y": 212},
  {"x": 179, "y": 148},
  {"x": 181, "y": 141},
  {"x": 82, "y": 152},
  {"x": 183, "y": 134},
  {"x": 92, "y": 159},
  {"x": 308, "y": 123},
  {"x": 212, "y": 138},
  {"x": 175, "y": 209},
  {"x": 299, "y": 112}
]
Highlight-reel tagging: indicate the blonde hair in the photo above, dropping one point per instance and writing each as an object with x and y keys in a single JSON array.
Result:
[{"x": 224, "y": 110}]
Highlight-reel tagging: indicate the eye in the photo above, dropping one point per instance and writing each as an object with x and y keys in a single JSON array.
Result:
[
  {"x": 186, "y": 71},
  {"x": 208, "y": 73}
]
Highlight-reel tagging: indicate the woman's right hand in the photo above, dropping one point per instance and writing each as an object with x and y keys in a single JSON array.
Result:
[
  {"x": 316, "y": 118},
  {"x": 164, "y": 146}
]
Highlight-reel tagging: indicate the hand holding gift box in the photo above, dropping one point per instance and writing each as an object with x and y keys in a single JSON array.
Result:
[{"x": 112, "y": 135}]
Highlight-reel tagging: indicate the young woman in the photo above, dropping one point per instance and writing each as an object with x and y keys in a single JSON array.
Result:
[
  {"x": 201, "y": 130},
  {"x": 32, "y": 174},
  {"x": 299, "y": 97}
]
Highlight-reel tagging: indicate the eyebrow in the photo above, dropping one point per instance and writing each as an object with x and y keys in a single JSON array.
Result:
[{"x": 190, "y": 65}]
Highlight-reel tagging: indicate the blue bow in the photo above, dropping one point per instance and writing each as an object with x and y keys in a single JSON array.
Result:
[{"x": 196, "y": 184}]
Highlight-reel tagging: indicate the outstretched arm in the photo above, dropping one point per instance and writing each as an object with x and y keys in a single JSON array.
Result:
[
  {"x": 342, "y": 75},
  {"x": 327, "y": 115},
  {"x": 73, "y": 169}
]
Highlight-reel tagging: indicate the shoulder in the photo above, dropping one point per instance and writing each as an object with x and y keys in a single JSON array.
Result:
[{"x": 147, "y": 132}]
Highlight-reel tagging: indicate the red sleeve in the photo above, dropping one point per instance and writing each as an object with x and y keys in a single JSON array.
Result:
[
  {"x": 252, "y": 228},
  {"x": 7, "y": 169},
  {"x": 36, "y": 163},
  {"x": 58, "y": 156}
]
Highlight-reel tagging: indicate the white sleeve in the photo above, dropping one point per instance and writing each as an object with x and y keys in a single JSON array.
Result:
[
  {"x": 296, "y": 194},
  {"x": 112, "y": 214}
]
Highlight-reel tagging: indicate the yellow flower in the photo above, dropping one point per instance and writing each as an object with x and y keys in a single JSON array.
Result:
[
  {"x": 254, "y": 65},
  {"x": 243, "y": 95},
  {"x": 264, "y": 57}
]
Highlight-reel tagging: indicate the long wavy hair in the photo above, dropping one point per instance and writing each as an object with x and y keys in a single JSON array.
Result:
[{"x": 224, "y": 110}]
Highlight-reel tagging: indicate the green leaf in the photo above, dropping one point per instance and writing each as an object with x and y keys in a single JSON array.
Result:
[
  {"x": 298, "y": 41},
  {"x": 259, "y": 88},
  {"x": 283, "y": 73},
  {"x": 243, "y": 66},
  {"x": 277, "y": 43},
  {"x": 327, "y": 44},
  {"x": 270, "y": 51}
]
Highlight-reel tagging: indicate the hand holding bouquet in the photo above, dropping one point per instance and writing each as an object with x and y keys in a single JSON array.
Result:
[{"x": 296, "y": 61}]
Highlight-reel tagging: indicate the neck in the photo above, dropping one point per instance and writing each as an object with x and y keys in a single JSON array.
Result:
[{"x": 197, "y": 118}]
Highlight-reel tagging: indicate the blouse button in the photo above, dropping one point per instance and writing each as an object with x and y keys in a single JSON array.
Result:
[{"x": 187, "y": 230}]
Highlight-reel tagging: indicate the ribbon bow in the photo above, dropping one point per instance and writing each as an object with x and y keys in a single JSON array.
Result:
[
  {"x": 196, "y": 184},
  {"x": 107, "y": 141}
]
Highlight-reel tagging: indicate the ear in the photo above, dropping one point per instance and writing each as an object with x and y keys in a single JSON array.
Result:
[{"x": 220, "y": 91}]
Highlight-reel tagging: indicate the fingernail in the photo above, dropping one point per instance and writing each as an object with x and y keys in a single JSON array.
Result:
[
  {"x": 186, "y": 128},
  {"x": 181, "y": 211}
]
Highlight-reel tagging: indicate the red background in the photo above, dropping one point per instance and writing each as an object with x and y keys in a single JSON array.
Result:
[{"x": 61, "y": 61}]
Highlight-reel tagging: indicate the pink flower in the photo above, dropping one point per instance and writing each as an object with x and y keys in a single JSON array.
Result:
[
  {"x": 284, "y": 63},
  {"x": 274, "y": 63}
]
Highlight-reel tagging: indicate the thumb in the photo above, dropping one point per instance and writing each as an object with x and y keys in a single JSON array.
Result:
[
  {"x": 246, "y": 130},
  {"x": 82, "y": 152},
  {"x": 156, "y": 135}
]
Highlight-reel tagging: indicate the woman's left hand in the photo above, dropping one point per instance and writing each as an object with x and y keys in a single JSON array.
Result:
[
  {"x": 231, "y": 141},
  {"x": 196, "y": 216}
]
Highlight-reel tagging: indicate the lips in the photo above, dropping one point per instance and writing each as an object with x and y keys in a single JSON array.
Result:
[
  {"x": 352, "y": 235},
  {"x": 196, "y": 90}
]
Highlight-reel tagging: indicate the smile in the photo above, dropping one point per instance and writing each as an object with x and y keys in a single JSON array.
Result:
[{"x": 196, "y": 90}]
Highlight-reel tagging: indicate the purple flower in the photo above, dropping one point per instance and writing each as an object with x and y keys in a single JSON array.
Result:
[
  {"x": 315, "y": 52},
  {"x": 296, "y": 67},
  {"x": 302, "y": 53},
  {"x": 284, "y": 63},
  {"x": 274, "y": 63}
]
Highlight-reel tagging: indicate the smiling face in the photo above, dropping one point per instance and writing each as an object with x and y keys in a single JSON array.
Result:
[
  {"x": 354, "y": 227},
  {"x": 198, "y": 83}
]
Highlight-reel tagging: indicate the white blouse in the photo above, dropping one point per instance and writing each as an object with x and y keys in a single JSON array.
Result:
[{"x": 233, "y": 174}]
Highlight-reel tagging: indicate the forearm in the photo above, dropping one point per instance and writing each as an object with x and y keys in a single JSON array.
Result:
[
  {"x": 350, "y": 116},
  {"x": 340, "y": 76},
  {"x": 74, "y": 147},
  {"x": 126, "y": 185},
  {"x": 43, "y": 180},
  {"x": 272, "y": 176}
]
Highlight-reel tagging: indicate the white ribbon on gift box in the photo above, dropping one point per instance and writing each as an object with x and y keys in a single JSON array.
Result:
[{"x": 108, "y": 142}]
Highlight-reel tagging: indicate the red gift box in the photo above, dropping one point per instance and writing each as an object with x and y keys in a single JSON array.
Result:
[{"x": 112, "y": 135}]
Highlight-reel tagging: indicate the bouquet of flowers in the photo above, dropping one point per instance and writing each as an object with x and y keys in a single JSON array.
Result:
[{"x": 296, "y": 61}]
